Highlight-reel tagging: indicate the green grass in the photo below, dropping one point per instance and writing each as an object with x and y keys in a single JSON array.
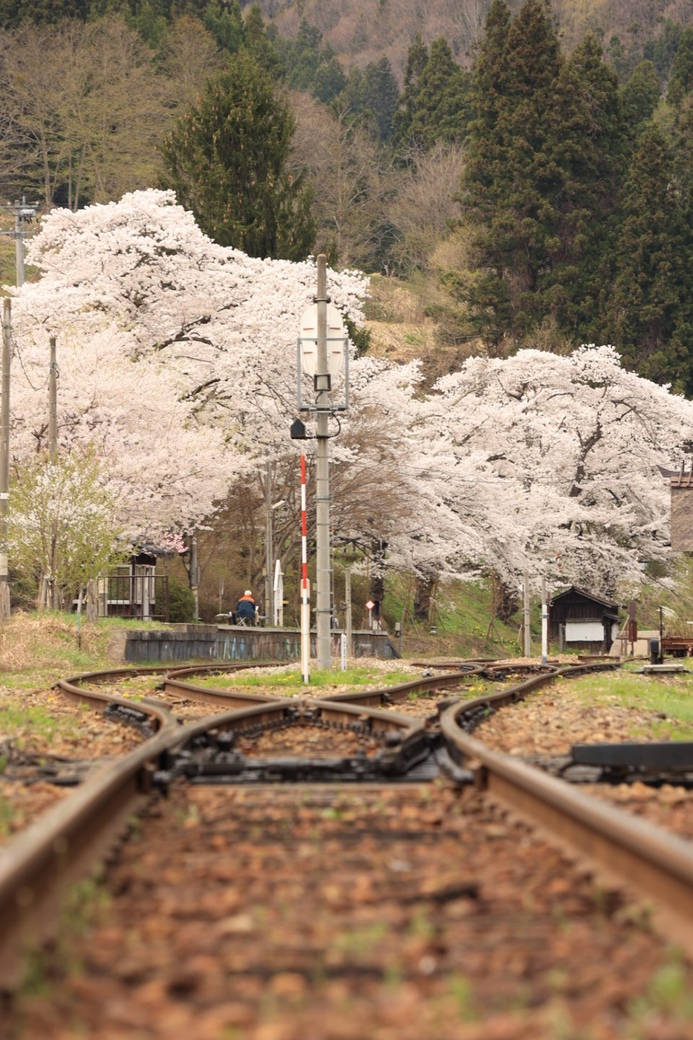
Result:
[
  {"x": 291, "y": 680},
  {"x": 670, "y": 696},
  {"x": 29, "y": 723},
  {"x": 461, "y": 617}
]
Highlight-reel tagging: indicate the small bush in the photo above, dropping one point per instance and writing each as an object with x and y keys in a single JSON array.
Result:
[{"x": 181, "y": 602}]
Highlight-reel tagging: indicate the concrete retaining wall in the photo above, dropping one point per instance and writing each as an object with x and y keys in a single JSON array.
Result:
[{"x": 231, "y": 643}]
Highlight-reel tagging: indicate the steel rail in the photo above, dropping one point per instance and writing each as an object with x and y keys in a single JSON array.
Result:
[
  {"x": 659, "y": 865},
  {"x": 206, "y": 694},
  {"x": 41, "y": 862},
  {"x": 39, "y": 865},
  {"x": 452, "y": 680},
  {"x": 396, "y": 694},
  {"x": 274, "y": 711}
]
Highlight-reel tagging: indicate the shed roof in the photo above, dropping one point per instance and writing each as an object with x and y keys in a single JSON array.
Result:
[{"x": 587, "y": 595}]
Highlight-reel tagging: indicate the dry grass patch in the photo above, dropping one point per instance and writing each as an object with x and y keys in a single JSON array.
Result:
[{"x": 30, "y": 641}]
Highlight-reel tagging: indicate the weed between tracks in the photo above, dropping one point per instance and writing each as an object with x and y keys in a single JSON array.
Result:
[
  {"x": 289, "y": 680},
  {"x": 669, "y": 696}
]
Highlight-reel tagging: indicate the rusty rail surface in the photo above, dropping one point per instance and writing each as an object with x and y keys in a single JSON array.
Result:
[
  {"x": 38, "y": 866},
  {"x": 42, "y": 862},
  {"x": 659, "y": 865}
]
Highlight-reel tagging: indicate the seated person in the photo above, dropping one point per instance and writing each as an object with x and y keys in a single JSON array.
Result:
[{"x": 245, "y": 608}]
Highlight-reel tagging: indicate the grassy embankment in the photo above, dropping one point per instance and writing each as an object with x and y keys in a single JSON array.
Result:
[{"x": 669, "y": 696}]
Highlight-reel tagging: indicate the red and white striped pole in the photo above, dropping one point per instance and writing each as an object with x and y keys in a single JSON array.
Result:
[{"x": 305, "y": 584}]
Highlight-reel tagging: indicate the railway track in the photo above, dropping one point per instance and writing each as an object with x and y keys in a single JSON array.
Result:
[{"x": 374, "y": 749}]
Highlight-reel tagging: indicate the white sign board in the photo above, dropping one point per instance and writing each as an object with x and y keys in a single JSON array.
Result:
[
  {"x": 309, "y": 340},
  {"x": 584, "y": 631},
  {"x": 278, "y": 618}
]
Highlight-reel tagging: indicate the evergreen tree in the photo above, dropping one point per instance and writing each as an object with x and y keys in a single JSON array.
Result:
[
  {"x": 440, "y": 106},
  {"x": 661, "y": 51},
  {"x": 310, "y": 65},
  {"x": 542, "y": 171},
  {"x": 225, "y": 23},
  {"x": 226, "y": 159},
  {"x": 621, "y": 58},
  {"x": 258, "y": 45},
  {"x": 329, "y": 81},
  {"x": 350, "y": 104},
  {"x": 380, "y": 97},
  {"x": 434, "y": 105},
  {"x": 640, "y": 95},
  {"x": 512, "y": 179},
  {"x": 417, "y": 58},
  {"x": 649, "y": 310},
  {"x": 150, "y": 23},
  {"x": 682, "y": 69},
  {"x": 14, "y": 12}
]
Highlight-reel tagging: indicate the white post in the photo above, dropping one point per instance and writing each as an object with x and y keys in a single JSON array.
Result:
[
  {"x": 305, "y": 584},
  {"x": 52, "y": 402},
  {"x": 343, "y": 648},
  {"x": 269, "y": 548},
  {"x": 347, "y": 608},
  {"x": 5, "y": 457},
  {"x": 19, "y": 242},
  {"x": 544, "y": 625},
  {"x": 278, "y": 619}
]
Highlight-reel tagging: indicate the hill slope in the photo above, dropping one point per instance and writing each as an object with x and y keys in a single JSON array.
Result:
[{"x": 361, "y": 31}]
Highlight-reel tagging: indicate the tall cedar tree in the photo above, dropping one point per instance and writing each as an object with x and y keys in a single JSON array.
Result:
[
  {"x": 543, "y": 148},
  {"x": 682, "y": 69},
  {"x": 593, "y": 179},
  {"x": 416, "y": 63},
  {"x": 380, "y": 97},
  {"x": 649, "y": 309},
  {"x": 639, "y": 97},
  {"x": 439, "y": 108},
  {"x": 226, "y": 159}
]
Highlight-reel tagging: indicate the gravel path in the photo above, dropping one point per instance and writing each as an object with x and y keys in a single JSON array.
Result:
[
  {"x": 41, "y": 733},
  {"x": 417, "y": 914},
  {"x": 550, "y": 721}
]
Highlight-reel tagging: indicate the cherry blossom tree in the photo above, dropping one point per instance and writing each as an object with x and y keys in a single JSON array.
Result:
[
  {"x": 178, "y": 363},
  {"x": 559, "y": 456},
  {"x": 61, "y": 529},
  {"x": 177, "y": 356}
]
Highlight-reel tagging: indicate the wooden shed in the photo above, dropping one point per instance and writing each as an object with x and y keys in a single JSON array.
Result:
[
  {"x": 134, "y": 589},
  {"x": 583, "y": 621}
]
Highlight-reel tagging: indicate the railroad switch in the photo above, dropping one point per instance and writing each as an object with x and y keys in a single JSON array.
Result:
[
  {"x": 653, "y": 763},
  {"x": 211, "y": 758}
]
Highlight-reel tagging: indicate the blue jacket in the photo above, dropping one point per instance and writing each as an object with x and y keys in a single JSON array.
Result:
[{"x": 246, "y": 607}]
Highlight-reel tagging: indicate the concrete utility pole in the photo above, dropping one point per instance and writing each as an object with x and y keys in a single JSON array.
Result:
[
  {"x": 22, "y": 212},
  {"x": 322, "y": 387},
  {"x": 269, "y": 551},
  {"x": 195, "y": 574},
  {"x": 5, "y": 456},
  {"x": 53, "y": 403},
  {"x": 347, "y": 611},
  {"x": 527, "y": 652},
  {"x": 19, "y": 245}
]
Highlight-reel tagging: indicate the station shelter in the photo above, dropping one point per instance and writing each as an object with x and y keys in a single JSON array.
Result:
[
  {"x": 583, "y": 621},
  {"x": 134, "y": 589}
]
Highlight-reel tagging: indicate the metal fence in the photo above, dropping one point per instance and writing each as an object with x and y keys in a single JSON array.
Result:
[{"x": 142, "y": 596}]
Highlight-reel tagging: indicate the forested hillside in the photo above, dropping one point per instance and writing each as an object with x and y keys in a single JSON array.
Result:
[
  {"x": 364, "y": 30},
  {"x": 528, "y": 179},
  {"x": 519, "y": 188}
]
